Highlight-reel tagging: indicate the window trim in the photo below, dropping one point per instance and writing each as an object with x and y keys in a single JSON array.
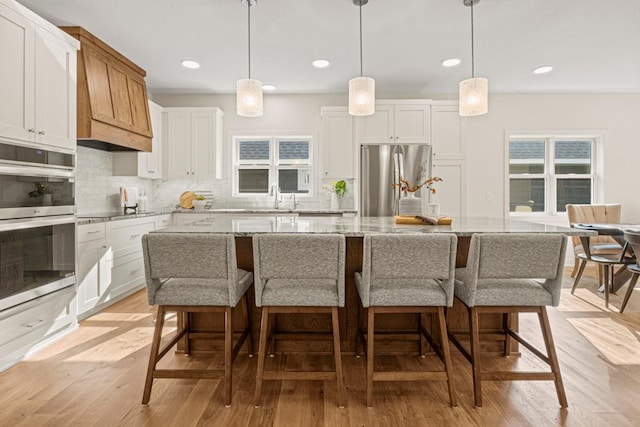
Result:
[
  {"x": 550, "y": 177},
  {"x": 273, "y": 165}
]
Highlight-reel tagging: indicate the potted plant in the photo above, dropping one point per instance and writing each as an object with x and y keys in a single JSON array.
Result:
[
  {"x": 337, "y": 189},
  {"x": 199, "y": 203}
]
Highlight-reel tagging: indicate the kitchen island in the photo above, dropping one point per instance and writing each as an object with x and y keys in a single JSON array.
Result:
[{"x": 243, "y": 228}]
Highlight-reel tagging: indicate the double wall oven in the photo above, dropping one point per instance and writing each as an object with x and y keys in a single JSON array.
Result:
[{"x": 37, "y": 222}]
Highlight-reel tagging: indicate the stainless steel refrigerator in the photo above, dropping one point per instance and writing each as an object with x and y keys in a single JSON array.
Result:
[{"x": 382, "y": 165}]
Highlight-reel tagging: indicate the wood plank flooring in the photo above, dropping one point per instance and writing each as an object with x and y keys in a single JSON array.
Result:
[{"x": 95, "y": 376}]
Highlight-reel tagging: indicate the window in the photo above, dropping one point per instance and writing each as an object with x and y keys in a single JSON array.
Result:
[
  {"x": 546, "y": 173},
  {"x": 263, "y": 162}
]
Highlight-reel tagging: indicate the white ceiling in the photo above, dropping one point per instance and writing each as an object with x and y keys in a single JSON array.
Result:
[{"x": 593, "y": 45}]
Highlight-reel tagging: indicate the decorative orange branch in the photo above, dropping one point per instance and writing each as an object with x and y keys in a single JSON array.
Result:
[{"x": 406, "y": 186}]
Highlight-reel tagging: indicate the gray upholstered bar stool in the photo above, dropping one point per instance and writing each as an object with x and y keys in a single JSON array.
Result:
[
  {"x": 512, "y": 273},
  {"x": 408, "y": 274},
  {"x": 192, "y": 272},
  {"x": 299, "y": 273}
]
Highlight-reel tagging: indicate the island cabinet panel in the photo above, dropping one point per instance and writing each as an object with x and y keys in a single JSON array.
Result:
[{"x": 348, "y": 315}]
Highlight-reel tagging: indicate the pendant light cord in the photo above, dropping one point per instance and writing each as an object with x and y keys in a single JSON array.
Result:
[
  {"x": 473, "y": 69},
  {"x": 249, "y": 32},
  {"x": 360, "y": 39}
]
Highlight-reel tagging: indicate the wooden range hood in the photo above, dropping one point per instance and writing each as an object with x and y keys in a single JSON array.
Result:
[{"x": 113, "y": 112}]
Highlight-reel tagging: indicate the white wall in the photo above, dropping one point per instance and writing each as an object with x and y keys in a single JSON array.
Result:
[{"x": 618, "y": 115}]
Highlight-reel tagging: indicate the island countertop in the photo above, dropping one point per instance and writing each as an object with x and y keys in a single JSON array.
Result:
[{"x": 359, "y": 226}]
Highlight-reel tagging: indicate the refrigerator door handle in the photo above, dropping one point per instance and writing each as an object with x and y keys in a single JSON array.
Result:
[{"x": 364, "y": 182}]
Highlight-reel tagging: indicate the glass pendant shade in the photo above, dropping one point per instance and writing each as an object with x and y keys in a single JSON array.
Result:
[
  {"x": 362, "y": 96},
  {"x": 249, "y": 98},
  {"x": 474, "y": 97}
]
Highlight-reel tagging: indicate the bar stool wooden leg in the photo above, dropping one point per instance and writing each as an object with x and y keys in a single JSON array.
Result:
[
  {"x": 506, "y": 322},
  {"x": 553, "y": 358},
  {"x": 358, "y": 329},
  {"x": 249, "y": 324},
  {"x": 338, "y": 355},
  {"x": 272, "y": 337},
  {"x": 370, "y": 341},
  {"x": 475, "y": 356},
  {"x": 446, "y": 355},
  {"x": 632, "y": 285},
  {"x": 423, "y": 341},
  {"x": 186, "y": 321},
  {"x": 228, "y": 356},
  {"x": 153, "y": 356},
  {"x": 262, "y": 352},
  {"x": 583, "y": 264}
]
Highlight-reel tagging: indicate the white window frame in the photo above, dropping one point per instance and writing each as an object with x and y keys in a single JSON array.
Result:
[
  {"x": 273, "y": 164},
  {"x": 550, "y": 177}
]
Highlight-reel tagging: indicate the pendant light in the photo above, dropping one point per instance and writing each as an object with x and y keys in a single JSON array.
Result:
[
  {"x": 249, "y": 91},
  {"x": 362, "y": 90},
  {"x": 474, "y": 92}
]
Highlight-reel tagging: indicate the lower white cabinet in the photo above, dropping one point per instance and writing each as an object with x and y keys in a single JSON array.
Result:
[
  {"x": 163, "y": 221},
  {"x": 110, "y": 264},
  {"x": 32, "y": 325}
]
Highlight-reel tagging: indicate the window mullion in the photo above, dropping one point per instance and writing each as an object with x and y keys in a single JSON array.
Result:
[{"x": 551, "y": 177}]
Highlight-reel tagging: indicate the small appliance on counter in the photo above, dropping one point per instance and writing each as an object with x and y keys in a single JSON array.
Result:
[{"x": 129, "y": 199}]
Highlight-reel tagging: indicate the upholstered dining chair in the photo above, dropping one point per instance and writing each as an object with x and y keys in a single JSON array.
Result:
[
  {"x": 512, "y": 273},
  {"x": 633, "y": 237},
  {"x": 193, "y": 272},
  {"x": 408, "y": 273},
  {"x": 299, "y": 273},
  {"x": 599, "y": 245}
]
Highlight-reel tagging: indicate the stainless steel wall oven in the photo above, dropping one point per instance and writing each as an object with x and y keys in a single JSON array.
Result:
[{"x": 37, "y": 222}]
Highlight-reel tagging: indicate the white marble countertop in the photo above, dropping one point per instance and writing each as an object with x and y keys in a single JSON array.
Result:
[{"x": 358, "y": 226}]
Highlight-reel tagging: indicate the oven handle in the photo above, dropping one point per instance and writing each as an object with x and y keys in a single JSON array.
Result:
[
  {"x": 35, "y": 171},
  {"x": 20, "y": 224}
]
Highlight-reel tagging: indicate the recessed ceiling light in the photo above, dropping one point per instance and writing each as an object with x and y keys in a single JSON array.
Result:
[
  {"x": 269, "y": 87},
  {"x": 542, "y": 70},
  {"x": 451, "y": 62},
  {"x": 189, "y": 63},
  {"x": 320, "y": 63}
]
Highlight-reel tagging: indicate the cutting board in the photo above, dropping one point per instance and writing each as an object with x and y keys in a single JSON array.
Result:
[
  {"x": 422, "y": 220},
  {"x": 186, "y": 199}
]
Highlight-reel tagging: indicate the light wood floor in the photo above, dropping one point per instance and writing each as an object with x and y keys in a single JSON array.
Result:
[{"x": 95, "y": 376}]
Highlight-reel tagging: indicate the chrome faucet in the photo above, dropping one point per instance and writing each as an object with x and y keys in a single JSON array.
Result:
[
  {"x": 275, "y": 192},
  {"x": 295, "y": 202}
]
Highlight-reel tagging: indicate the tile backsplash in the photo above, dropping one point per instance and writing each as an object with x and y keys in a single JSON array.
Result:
[{"x": 97, "y": 190}]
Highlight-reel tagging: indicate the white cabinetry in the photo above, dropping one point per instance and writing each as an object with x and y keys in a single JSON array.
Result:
[
  {"x": 401, "y": 122},
  {"x": 29, "y": 327},
  {"x": 194, "y": 143},
  {"x": 142, "y": 164},
  {"x": 37, "y": 80},
  {"x": 337, "y": 143},
  {"x": 110, "y": 264},
  {"x": 449, "y": 158},
  {"x": 446, "y": 133},
  {"x": 163, "y": 221}
]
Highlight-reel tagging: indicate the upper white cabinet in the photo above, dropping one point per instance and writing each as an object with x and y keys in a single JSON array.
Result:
[
  {"x": 37, "y": 80},
  {"x": 402, "y": 122},
  {"x": 446, "y": 135},
  {"x": 193, "y": 141},
  {"x": 337, "y": 143},
  {"x": 143, "y": 164}
]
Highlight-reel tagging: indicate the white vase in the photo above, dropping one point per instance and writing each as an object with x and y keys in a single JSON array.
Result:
[
  {"x": 335, "y": 202},
  {"x": 47, "y": 199},
  {"x": 410, "y": 205}
]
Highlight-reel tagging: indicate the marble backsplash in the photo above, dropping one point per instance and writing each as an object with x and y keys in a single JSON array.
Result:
[{"x": 97, "y": 190}]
